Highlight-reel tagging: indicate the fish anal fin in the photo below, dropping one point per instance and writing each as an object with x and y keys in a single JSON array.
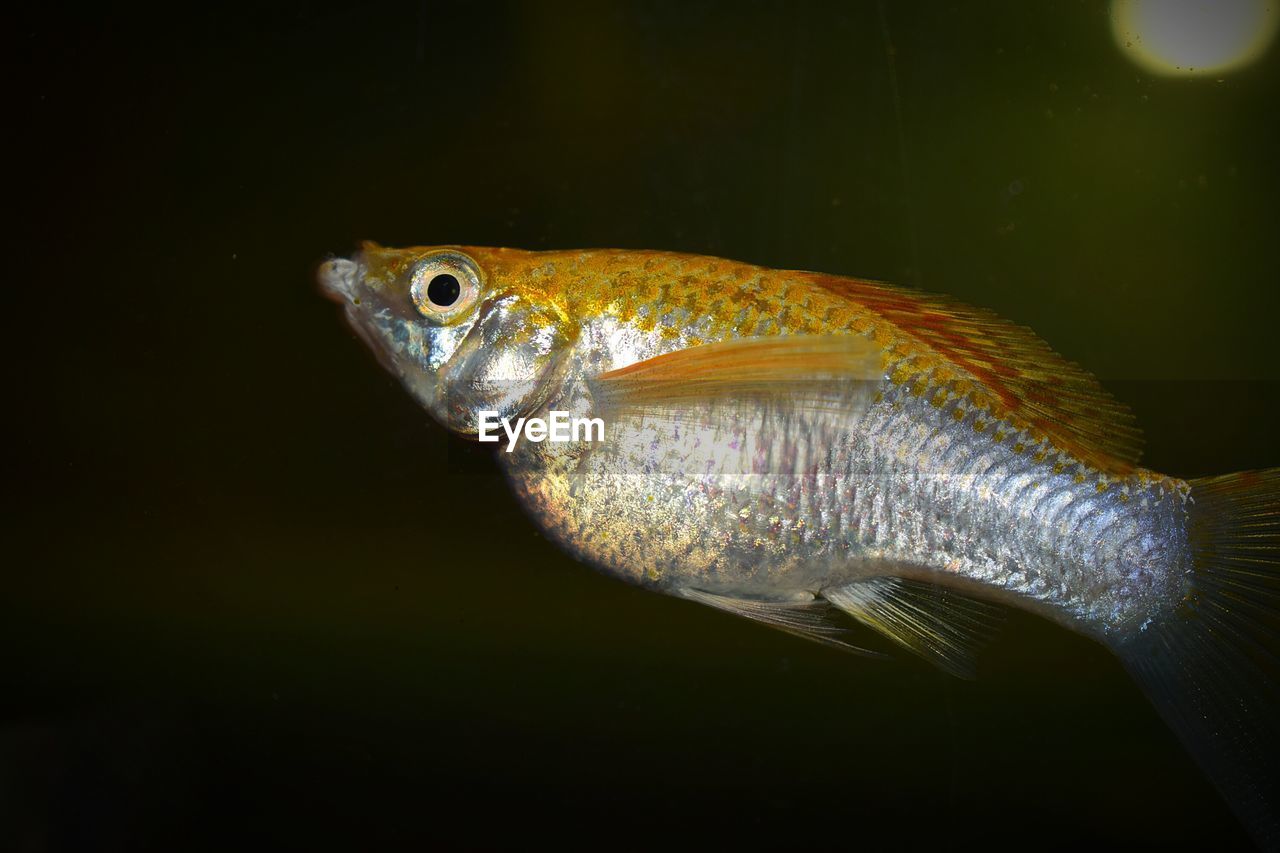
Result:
[
  {"x": 932, "y": 621},
  {"x": 806, "y": 616}
]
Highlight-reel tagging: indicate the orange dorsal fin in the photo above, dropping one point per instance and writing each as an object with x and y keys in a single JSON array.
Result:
[{"x": 996, "y": 366}]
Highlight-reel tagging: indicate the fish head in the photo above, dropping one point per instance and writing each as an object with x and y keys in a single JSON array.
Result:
[{"x": 459, "y": 326}]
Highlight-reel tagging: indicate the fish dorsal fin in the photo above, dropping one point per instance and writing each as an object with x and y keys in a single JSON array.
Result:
[
  {"x": 939, "y": 625},
  {"x": 804, "y": 371},
  {"x": 806, "y": 616},
  {"x": 954, "y": 352}
]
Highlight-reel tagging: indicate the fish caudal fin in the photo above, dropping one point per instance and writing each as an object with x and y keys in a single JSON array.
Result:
[{"x": 1213, "y": 667}]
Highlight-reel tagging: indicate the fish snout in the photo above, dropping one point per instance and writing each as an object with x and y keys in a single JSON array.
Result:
[{"x": 339, "y": 279}]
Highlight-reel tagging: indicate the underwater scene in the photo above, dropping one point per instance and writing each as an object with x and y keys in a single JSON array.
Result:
[{"x": 643, "y": 425}]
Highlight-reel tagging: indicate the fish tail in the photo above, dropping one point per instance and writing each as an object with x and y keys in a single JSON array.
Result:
[{"x": 1212, "y": 667}]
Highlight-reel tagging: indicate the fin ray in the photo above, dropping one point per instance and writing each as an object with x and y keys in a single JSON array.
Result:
[
  {"x": 810, "y": 618},
  {"x": 838, "y": 372},
  {"x": 1211, "y": 666},
  {"x": 1000, "y": 367},
  {"x": 939, "y": 625}
]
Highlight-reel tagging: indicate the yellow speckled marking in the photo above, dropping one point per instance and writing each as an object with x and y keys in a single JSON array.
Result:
[{"x": 932, "y": 342}]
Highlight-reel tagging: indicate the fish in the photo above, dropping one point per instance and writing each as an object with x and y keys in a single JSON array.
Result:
[{"x": 840, "y": 458}]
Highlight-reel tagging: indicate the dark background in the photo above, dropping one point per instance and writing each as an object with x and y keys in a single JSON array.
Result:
[{"x": 252, "y": 597}]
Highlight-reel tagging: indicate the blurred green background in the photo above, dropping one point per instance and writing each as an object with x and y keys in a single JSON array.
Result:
[{"x": 253, "y": 596}]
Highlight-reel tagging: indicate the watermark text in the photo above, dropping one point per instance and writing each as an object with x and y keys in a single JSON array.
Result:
[{"x": 559, "y": 427}]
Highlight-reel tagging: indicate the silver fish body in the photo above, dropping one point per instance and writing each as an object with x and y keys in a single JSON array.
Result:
[{"x": 774, "y": 502}]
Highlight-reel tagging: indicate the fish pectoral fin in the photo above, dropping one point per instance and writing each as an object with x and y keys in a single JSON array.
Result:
[
  {"x": 932, "y": 621},
  {"x": 811, "y": 617},
  {"x": 834, "y": 372}
]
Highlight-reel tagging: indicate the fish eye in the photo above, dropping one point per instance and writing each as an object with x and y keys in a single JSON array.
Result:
[{"x": 444, "y": 285}]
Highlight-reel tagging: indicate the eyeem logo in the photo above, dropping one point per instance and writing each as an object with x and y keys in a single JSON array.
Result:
[{"x": 560, "y": 427}]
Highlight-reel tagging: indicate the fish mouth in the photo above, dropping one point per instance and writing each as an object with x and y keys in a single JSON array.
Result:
[{"x": 340, "y": 280}]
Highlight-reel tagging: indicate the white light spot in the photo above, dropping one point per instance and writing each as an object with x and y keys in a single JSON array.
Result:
[{"x": 1193, "y": 37}]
